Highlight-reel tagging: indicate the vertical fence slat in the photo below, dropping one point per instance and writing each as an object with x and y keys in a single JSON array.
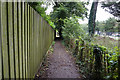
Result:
[
  {"x": 16, "y": 40},
  {"x": 0, "y": 46},
  {"x": 37, "y": 42},
  {"x": 41, "y": 40},
  {"x": 28, "y": 40},
  {"x": 4, "y": 39},
  {"x": 26, "y": 26},
  {"x": 32, "y": 31},
  {"x": 43, "y": 37},
  {"x": 23, "y": 41},
  {"x": 34, "y": 22},
  {"x": 40, "y": 59},
  {"x": 19, "y": 34},
  {"x": 31, "y": 42},
  {"x": 11, "y": 52}
]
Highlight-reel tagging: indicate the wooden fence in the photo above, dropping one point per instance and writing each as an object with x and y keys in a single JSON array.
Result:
[{"x": 24, "y": 39}]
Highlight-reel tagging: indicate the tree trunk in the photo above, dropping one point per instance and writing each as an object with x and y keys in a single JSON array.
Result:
[{"x": 92, "y": 18}]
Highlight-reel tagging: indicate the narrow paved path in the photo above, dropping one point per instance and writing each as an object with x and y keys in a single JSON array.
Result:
[{"x": 61, "y": 64}]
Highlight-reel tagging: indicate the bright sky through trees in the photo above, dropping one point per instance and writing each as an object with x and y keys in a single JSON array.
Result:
[{"x": 101, "y": 15}]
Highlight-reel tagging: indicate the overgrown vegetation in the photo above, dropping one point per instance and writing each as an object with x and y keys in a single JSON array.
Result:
[{"x": 95, "y": 61}]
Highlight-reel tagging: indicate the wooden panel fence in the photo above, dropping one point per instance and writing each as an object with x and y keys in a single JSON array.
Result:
[{"x": 24, "y": 39}]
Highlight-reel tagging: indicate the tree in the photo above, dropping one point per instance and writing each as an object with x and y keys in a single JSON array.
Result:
[
  {"x": 113, "y": 8},
  {"x": 58, "y": 16},
  {"x": 108, "y": 26},
  {"x": 92, "y": 17},
  {"x": 100, "y": 26},
  {"x": 64, "y": 10},
  {"x": 72, "y": 29}
]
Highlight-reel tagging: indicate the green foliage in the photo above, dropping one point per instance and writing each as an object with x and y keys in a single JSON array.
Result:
[
  {"x": 60, "y": 13},
  {"x": 72, "y": 8},
  {"x": 41, "y": 10},
  {"x": 76, "y": 9},
  {"x": 72, "y": 28},
  {"x": 53, "y": 43},
  {"x": 112, "y": 7},
  {"x": 88, "y": 62},
  {"x": 85, "y": 27},
  {"x": 64, "y": 10},
  {"x": 58, "y": 16},
  {"x": 109, "y": 25}
]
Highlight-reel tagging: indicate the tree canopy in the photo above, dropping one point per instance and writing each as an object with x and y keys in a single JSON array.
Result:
[
  {"x": 110, "y": 25},
  {"x": 63, "y": 10},
  {"x": 113, "y": 8}
]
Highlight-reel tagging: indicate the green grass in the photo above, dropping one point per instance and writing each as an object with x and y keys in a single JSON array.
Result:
[{"x": 106, "y": 42}]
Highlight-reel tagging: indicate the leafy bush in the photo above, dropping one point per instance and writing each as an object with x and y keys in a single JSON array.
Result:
[
  {"x": 41, "y": 10},
  {"x": 87, "y": 59},
  {"x": 72, "y": 28}
]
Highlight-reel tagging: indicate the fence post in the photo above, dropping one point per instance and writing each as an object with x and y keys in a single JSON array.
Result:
[
  {"x": 119, "y": 67},
  {"x": 98, "y": 64},
  {"x": 76, "y": 47},
  {"x": 91, "y": 62},
  {"x": 108, "y": 70},
  {"x": 81, "y": 52},
  {"x": 105, "y": 63},
  {"x": 81, "y": 56}
]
